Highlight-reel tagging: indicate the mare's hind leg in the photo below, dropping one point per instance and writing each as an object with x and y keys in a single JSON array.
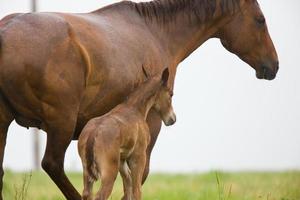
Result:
[
  {"x": 154, "y": 123},
  {"x": 59, "y": 135},
  {"x": 5, "y": 119}
]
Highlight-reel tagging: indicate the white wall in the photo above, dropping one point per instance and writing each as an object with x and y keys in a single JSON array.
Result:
[{"x": 227, "y": 119}]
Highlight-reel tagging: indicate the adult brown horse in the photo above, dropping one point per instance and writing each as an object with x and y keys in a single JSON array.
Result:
[{"x": 59, "y": 70}]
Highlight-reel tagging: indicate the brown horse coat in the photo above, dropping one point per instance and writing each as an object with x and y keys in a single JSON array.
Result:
[{"x": 59, "y": 70}]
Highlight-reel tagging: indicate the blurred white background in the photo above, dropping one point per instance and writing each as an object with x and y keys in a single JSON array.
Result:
[{"x": 227, "y": 119}]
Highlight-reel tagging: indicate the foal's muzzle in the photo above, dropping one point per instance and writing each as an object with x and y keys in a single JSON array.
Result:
[{"x": 171, "y": 119}]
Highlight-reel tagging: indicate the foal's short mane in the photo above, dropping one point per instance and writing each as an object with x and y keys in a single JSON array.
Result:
[
  {"x": 144, "y": 91},
  {"x": 164, "y": 10}
]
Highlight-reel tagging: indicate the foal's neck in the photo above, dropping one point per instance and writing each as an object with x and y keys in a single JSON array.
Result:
[
  {"x": 142, "y": 107},
  {"x": 185, "y": 31},
  {"x": 143, "y": 98}
]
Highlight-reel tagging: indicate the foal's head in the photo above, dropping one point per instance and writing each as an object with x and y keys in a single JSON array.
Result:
[
  {"x": 247, "y": 36},
  {"x": 163, "y": 101}
]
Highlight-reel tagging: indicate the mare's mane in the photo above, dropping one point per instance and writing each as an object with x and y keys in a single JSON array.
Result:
[{"x": 165, "y": 10}]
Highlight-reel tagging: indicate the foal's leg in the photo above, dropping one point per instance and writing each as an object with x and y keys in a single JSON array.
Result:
[
  {"x": 108, "y": 165},
  {"x": 5, "y": 119},
  {"x": 127, "y": 180},
  {"x": 87, "y": 193},
  {"x": 137, "y": 163},
  {"x": 154, "y": 123}
]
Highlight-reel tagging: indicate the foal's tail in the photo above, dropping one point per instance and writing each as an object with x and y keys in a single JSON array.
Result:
[{"x": 90, "y": 160}]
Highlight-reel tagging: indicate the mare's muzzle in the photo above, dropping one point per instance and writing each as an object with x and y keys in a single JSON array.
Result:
[{"x": 267, "y": 72}]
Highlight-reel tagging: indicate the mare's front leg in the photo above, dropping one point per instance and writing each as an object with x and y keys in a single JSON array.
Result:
[
  {"x": 5, "y": 119},
  {"x": 154, "y": 123}
]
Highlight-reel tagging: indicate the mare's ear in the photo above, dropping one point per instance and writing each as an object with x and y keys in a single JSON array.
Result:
[{"x": 165, "y": 76}]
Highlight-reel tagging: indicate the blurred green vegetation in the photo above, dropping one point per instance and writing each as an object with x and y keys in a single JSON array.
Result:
[{"x": 209, "y": 186}]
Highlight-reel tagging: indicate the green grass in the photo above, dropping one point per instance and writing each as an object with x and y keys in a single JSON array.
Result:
[{"x": 210, "y": 186}]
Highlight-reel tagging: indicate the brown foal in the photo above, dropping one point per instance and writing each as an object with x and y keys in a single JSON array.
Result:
[{"x": 117, "y": 141}]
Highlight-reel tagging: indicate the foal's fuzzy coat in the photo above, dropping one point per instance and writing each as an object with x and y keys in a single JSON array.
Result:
[{"x": 117, "y": 141}]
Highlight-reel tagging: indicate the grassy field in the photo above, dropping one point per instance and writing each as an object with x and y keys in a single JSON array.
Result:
[{"x": 228, "y": 186}]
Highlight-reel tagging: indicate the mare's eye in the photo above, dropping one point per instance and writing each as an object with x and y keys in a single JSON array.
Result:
[{"x": 260, "y": 20}]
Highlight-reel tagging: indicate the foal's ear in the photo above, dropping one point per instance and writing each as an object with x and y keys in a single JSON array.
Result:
[{"x": 165, "y": 76}]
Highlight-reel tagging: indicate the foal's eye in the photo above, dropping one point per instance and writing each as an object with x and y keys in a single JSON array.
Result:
[{"x": 260, "y": 20}]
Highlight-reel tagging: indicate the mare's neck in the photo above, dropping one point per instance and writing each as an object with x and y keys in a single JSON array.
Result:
[{"x": 184, "y": 32}]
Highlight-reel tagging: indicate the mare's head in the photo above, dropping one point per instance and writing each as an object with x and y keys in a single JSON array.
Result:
[
  {"x": 247, "y": 36},
  {"x": 163, "y": 101}
]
